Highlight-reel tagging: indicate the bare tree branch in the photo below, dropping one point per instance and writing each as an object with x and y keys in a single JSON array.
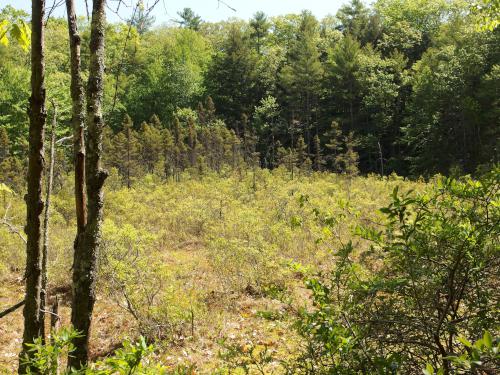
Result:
[{"x": 11, "y": 309}]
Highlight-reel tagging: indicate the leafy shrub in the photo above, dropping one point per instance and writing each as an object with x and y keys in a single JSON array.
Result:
[
  {"x": 134, "y": 358},
  {"x": 430, "y": 275}
]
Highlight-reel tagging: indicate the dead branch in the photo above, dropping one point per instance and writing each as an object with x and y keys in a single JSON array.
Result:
[{"x": 11, "y": 309}]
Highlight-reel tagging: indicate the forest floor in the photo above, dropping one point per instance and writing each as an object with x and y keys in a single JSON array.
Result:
[{"x": 207, "y": 265}]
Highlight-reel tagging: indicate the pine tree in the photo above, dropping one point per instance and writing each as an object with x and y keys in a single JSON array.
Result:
[
  {"x": 348, "y": 160},
  {"x": 318, "y": 160},
  {"x": 189, "y": 19},
  {"x": 124, "y": 151},
  {"x": 302, "y": 76},
  {"x": 150, "y": 140},
  {"x": 168, "y": 153},
  {"x": 334, "y": 135},
  {"x": 209, "y": 110},
  {"x": 344, "y": 66},
  {"x": 155, "y": 122},
  {"x": 302, "y": 154},
  {"x": 202, "y": 115},
  {"x": 232, "y": 79},
  {"x": 259, "y": 29},
  {"x": 357, "y": 20},
  {"x": 192, "y": 141},
  {"x": 179, "y": 149}
]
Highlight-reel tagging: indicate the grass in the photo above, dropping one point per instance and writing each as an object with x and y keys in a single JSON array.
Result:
[{"x": 201, "y": 262}]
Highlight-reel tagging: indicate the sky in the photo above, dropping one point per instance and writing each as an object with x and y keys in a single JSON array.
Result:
[{"x": 209, "y": 10}]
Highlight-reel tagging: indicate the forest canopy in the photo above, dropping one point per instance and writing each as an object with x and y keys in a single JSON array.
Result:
[{"x": 410, "y": 87}]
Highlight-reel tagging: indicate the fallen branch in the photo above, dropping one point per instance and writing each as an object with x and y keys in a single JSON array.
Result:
[
  {"x": 11, "y": 309},
  {"x": 13, "y": 229}
]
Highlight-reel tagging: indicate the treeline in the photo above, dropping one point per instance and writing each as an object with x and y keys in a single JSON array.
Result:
[{"x": 403, "y": 86}]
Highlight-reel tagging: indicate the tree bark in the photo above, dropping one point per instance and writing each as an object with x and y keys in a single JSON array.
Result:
[
  {"x": 34, "y": 204},
  {"x": 77, "y": 119},
  {"x": 55, "y": 320},
  {"x": 46, "y": 219},
  {"x": 85, "y": 257}
]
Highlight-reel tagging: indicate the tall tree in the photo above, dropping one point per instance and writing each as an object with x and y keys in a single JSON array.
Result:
[
  {"x": 358, "y": 21},
  {"x": 46, "y": 217},
  {"x": 33, "y": 320},
  {"x": 189, "y": 19},
  {"x": 343, "y": 67},
  {"x": 77, "y": 119},
  {"x": 85, "y": 259},
  {"x": 259, "y": 29},
  {"x": 232, "y": 78},
  {"x": 301, "y": 77}
]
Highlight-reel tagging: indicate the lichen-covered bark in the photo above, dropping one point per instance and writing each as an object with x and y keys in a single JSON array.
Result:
[
  {"x": 36, "y": 163},
  {"x": 77, "y": 119},
  {"x": 46, "y": 220},
  {"x": 85, "y": 257}
]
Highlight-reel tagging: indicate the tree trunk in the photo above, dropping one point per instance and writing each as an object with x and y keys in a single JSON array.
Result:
[
  {"x": 77, "y": 119},
  {"x": 54, "y": 327},
  {"x": 34, "y": 204},
  {"x": 85, "y": 257},
  {"x": 46, "y": 219}
]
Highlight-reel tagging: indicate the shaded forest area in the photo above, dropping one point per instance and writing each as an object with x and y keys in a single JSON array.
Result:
[{"x": 404, "y": 87}]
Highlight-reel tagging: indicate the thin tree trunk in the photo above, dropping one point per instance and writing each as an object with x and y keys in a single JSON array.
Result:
[
  {"x": 34, "y": 203},
  {"x": 77, "y": 119},
  {"x": 85, "y": 257},
  {"x": 54, "y": 326},
  {"x": 381, "y": 159},
  {"x": 46, "y": 219}
]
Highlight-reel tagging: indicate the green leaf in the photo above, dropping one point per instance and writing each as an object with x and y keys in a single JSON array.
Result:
[
  {"x": 465, "y": 342},
  {"x": 429, "y": 370},
  {"x": 22, "y": 33},
  {"x": 4, "y": 28},
  {"x": 487, "y": 339},
  {"x": 5, "y": 189}
]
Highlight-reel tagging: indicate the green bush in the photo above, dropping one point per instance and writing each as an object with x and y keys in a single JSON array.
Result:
[{"x": 429, "y": 276}]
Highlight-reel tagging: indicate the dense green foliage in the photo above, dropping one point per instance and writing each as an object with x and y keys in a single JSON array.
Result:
[
  {"x": 413, "y": 82},
  {"x": 429, "y": 276}
]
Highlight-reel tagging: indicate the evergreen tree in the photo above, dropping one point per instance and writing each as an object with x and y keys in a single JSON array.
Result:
[
  {"x": 259, "y": 29},
  {"x": 209, "y": 110},
  {"x": 357, "y": 20},
  {"x": 189, "y": 19},
  {"x": 150, "y": 141},
  {"x": 168, "y": 153},
  {"x": 232, "y": 79},
  {"x": 192, "y": 142},
  {"x": 142, "y": 20},
  {"x": 202, "y": 115},
  {"x": 348, "y": 161},
  {"x": 302, "y": 75},
  {"x": 334, "y": 135},
  {"x": 343, "y": 68},
  {"x": 302, "y": 154},
  {"x": 124, "y": 151},
  {"x": 318, "y": 160}
]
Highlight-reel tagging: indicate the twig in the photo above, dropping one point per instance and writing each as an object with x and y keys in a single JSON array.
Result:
[
  {"x": 13, "y": 229},
  {"x": 226, "y": 4}
]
